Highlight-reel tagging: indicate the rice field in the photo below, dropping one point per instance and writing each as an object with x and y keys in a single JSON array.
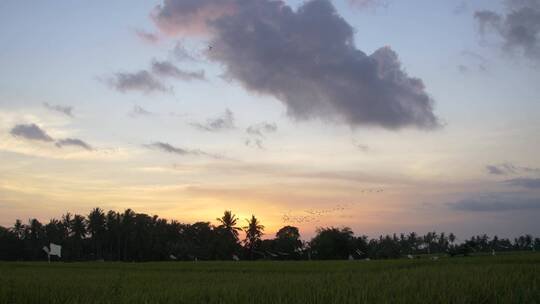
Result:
[{"x": 512, "y": 278}]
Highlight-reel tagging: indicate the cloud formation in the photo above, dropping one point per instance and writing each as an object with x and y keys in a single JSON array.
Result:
[
  {"x": 495, "y": 205},
  {"x": 30, "y": 132},
  {"x": 66, "y": 110},
  {"x": 363, "y": 4},
  {"x": 167, "y": 69},
  {"x": 224, "y": 122},
  {"x": 261, "y": 128},
  {"x": 180, "y": 53},
  {"x": 524, "y": 182},
  {"x": 190, "y": 17},
  {"x": 502, "y": 169},
  {"x": 74, "y": 142},
  {"x": 307, "y": 59},
  {"x": 518, "y": 26},
  {"x": 165, "y": 147},
  {"x": 139, "y": 111},
  {"x": 147, "y": 37},
  {"x": 509, "y": 168},
  {"x": 142, "y": 81}
]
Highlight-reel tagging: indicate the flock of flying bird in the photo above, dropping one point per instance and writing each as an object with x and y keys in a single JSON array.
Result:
[{"x": 314, "y": 215}]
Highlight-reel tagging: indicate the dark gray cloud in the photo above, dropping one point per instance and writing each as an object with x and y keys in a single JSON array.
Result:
[
  {"x": 73, "y": 142},
  {"x": 518, "y": 26},
  {"x": 30, "y": 132},
  {"x": 147, "y": 37},
  {"x": 142, "y": 81},
  {"x": 167, "y": 69},
  {"x": 224, "y": 122},
  {"x": 66, "y": 110},
  {"x": 524, "y": 182},
  {"x": 261, "y": 128},
  {"x": 165, "y": 147},
  {"x": 495, "y": 205},
  {"x": 307, "y": 59}
]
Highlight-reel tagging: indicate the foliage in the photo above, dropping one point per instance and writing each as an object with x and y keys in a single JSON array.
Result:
[{"x": 130, "y": 236}]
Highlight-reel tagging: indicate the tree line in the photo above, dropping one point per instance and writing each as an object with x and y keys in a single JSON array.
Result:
[{"x": 129, "y": 236}]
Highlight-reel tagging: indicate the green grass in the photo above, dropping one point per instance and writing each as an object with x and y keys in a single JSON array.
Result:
[{"x": 511, "y": 278}]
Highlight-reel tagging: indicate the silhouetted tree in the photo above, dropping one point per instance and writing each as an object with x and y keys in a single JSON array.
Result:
[
  {"x": 254, "y": 231},
  {"x": 332, "y": 243}
]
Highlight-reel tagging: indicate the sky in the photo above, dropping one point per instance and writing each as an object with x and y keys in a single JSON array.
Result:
[{"x": 383, "y": 116}]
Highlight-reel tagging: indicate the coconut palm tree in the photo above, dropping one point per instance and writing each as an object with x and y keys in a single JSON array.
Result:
[
  {"x": 96, "y": 229},
  {"x": 254, "y": 231},
  {"x": 228, "y": 223}
]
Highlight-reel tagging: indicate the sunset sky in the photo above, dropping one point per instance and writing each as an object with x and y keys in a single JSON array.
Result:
[{"x": 385, "y": 116}]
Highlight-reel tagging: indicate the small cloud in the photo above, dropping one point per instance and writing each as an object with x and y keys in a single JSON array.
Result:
[
  {"x": 226, "y": 121},
  {"x": 167, "y": 69},
  {"x": 139, "y": 111},
  {"x": 66, "y": 110},
  {"x": 502, "y": 169},
  {"x": 165, "y": 147},
  {"x": 180, "y": 53},
  {"x": 518, "y": 27},
  {"x": 473, "y": 61},
  {"x": 139, "y": 81},
  {"x": 495, "y": 205},
  {"x": 74, "y": 142},
  {"x": 462, "y": 68},
  {"x": 362, "y": 147},
  {"x": 30, "y": 132},
  {"x": 261, "y": 128},
  {"x": 461, "y": 8},
  {"x": 147, "y": 37},
  {"x": 256, "y": 142},
  {"x": 529, "y": 183},
  {"x": 368, "y": 4},
  {"x": 509, "y": 168}
]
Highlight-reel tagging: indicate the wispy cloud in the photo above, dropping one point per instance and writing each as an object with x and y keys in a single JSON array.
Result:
[
  {"x": 224, "y": 122},
  {"x": 495, "y": 205},
  {"x": 524, "y": 182},
  {"x": 66, "y": 110},
  {"x": 142, "y": 81},
  {"x": 365, "y": 4},
  {"x": 166, "y": 147},
  {"x": 518, "y": 26},
  {"x": 147, "y": 37},
  {"x": 509, "y": 168},
  {"x": 74, "y": 142},
  {"x": 139, "y": 111},
  {"x": 261, "y": 128},
  {"x": 167, "y": 69}
]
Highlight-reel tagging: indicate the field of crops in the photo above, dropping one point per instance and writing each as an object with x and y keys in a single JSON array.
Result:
[{"x": 513, "y": 278}]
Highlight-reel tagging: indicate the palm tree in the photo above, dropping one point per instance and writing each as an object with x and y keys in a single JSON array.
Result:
[
  {"x": 228, "y": 223},
  {"x": 254, "y": 232},
  {"x": 78, "y": 229},
  {"x": 96, "y": 229}
]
